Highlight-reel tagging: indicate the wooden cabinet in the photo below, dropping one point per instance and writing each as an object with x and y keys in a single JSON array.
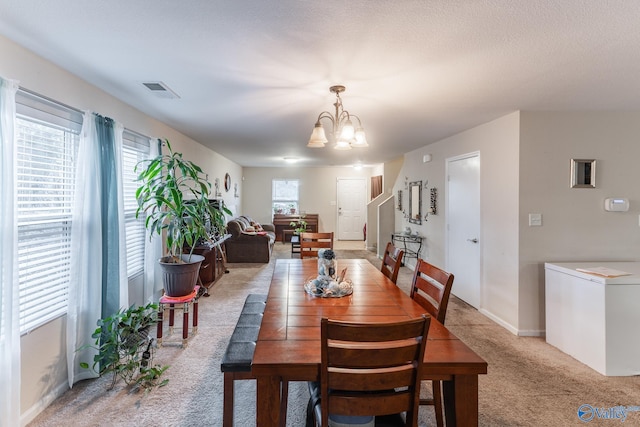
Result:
[
  {"x": 207, "y": 270},
  {"x": 282, "y": 222},
  {"x": 213, "y": 266}
]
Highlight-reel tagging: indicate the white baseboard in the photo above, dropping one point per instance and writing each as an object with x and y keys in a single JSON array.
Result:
[
  {"x": 511, "y": 328},
  {"x": 531, "y": 333},
  {"x": 30, "y": 414}
]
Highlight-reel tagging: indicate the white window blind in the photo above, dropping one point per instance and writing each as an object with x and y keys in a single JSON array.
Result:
[
  {"x": 47, "y": 137},
  {"x": 136, "y": 148}
]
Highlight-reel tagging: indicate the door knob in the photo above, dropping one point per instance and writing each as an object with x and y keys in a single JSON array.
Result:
[{"x": 472, "y": 240}]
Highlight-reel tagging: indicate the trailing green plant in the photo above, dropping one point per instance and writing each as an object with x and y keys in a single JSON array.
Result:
[
  {"x": 174, "y": 196},
  {"x": 125, "y": 347}
]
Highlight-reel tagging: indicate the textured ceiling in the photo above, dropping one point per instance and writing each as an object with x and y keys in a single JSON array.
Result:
[{"x": 253, "y": 76}]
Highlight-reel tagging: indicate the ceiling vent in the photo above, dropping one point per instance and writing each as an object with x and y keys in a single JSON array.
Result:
[{"x": 161, "y": 90}]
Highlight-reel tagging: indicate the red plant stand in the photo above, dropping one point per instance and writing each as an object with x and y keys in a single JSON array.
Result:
[{"x": 179, "y": 303}]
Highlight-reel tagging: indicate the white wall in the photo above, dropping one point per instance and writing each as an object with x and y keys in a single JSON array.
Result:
[
  {"x": 318, "y": 191},
  {"x": 390, "y": 174},
  {"x": 44, "y": 372},
  {"x": 373, "y": 219},
  {"x": 575, "y": 226},
  {"x": 498, "y": 144},
  {"x": 386, "y": 218}
]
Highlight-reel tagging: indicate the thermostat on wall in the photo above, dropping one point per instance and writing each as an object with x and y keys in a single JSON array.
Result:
[{"x": 616, "y": 204}]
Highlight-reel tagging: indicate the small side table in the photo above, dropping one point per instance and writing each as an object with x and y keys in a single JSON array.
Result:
[
  {"x": 179, "y": 303},
  {"x": 295, "y": 244},
  {"x": 405, "y": 240}
]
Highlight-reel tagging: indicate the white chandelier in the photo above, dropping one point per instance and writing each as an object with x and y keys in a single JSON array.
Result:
[{"x": 346, "y": 136}]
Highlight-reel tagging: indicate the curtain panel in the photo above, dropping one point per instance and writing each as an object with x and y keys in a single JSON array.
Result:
[
  {"x": 109, "y": 141},
  {"x": 153, "y": 250},
  {"x": 98, "y": 285},
  {"x": 9, "y": 304}
]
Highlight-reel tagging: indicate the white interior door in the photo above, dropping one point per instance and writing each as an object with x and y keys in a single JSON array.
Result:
[
  {"x": 463, "y": 226},
  {"x": 351, "y": 208}
]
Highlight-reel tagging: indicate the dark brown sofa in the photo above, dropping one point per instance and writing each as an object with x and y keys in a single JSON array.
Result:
[{"x": 249, "y": 246}]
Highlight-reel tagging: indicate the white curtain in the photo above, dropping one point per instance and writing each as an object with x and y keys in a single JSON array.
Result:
[
  {"x": 153, "y": 250},
  {"x": 122, "y": 237},
  {"x": 88, "y": 288},
  {"x": 9, "y": 303},
  {"x": 86, "y": 256}
]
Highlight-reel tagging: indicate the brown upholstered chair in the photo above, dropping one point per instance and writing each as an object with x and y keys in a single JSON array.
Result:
[
  {"x": 371, "y": 369},
  {"x": 391, "y": 262},
  {"x": 311, "y": 242},
  {"x": 431, "y": 289}
]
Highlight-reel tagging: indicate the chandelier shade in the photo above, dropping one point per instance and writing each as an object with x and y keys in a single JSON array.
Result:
[
  {"x": 345, "y": 135},
  {"x": 360, "y": 138},
  {"x": 318, "y": 138}
]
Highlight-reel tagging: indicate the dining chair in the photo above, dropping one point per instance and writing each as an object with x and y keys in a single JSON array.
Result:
[
  {"x": 391, "y": 262},
  {"x": 431, "y": 288},
  {"x": 310, "y": 243},
  {"x": 371, "y": 370}
]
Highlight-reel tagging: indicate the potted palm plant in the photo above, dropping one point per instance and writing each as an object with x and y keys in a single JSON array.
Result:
[{"x": 174, "y": 196}]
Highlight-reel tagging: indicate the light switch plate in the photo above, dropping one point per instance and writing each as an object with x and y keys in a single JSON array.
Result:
[{"x": 535, "y": 220}]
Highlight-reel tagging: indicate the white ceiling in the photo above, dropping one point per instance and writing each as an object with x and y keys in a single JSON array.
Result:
[{"x": 253, "y": 75}]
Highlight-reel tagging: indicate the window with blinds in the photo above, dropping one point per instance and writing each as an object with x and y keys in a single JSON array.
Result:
[
  {"x": 47, "y": 137},
  {"x": 135, "y": 149},
  {"x": 284, "y": 195}
]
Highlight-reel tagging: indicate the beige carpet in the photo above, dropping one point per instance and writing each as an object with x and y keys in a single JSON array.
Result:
[{"x": 529, "y": 382}]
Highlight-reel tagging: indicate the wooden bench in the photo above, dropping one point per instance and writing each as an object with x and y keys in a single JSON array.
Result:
[{"x": 238, "y": 358}]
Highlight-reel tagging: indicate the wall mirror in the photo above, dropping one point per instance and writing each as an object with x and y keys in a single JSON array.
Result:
[
  {"x": 583, "y": 173},
  {"x": 415, "y": 202}
]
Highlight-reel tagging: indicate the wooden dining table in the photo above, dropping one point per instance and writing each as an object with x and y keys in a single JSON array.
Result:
[{"x": 288, "y": 345}]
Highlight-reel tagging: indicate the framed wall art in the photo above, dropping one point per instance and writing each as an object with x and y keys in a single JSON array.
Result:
[
  {"x": 227, "y": 182},
  {"x": 583, "y": 173}
]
